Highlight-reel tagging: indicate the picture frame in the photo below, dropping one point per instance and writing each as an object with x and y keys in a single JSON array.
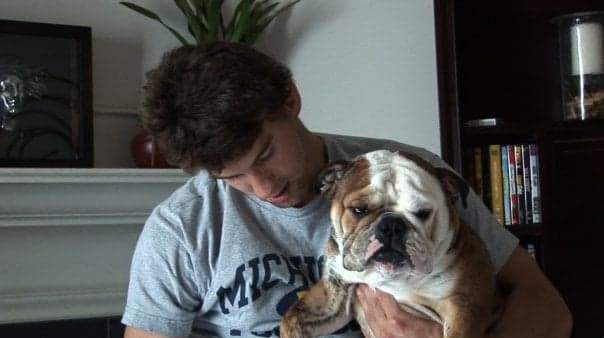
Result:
[{"x": 46, "y": 117}]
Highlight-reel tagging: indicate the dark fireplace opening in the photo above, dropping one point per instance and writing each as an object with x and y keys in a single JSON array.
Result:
[{"x": 107, "y": 327}]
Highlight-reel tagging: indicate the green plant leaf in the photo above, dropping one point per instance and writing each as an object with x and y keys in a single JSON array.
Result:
[
  {"x": 152, "y": 15},
  {"x": 280, "y": 10},
  {"x": 258, "y": 12},
  {"x": 266, "y": 16},
  {"x": 214, "y": 18},
  {"x": 240, "y": 20},
  {"x": 198, "y": 5},
  {"x": 194, "y": 25}
]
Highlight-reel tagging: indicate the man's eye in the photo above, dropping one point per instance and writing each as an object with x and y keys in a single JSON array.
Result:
[
  {"x": 265, "y": 156},
  {"x": 359, "y": 211},
  {"x": 423, "y": 214}
]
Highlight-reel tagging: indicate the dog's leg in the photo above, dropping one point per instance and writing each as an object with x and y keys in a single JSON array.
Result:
[
  {"x": 463, "y": 328},
  {"x": 461, "y": 322},
  {"x": 323, "y": 310}
]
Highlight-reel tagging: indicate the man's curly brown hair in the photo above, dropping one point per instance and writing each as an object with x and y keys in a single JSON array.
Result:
[{"x": 205, "y": 104}]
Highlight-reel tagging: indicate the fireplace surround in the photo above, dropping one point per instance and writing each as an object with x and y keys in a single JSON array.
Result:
[{"x": 67, "y": 236}]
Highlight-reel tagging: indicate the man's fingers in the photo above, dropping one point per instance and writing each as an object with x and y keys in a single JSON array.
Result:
[
  {"x": 371, "y": 305},
  {"x": 373, "y": 299}
]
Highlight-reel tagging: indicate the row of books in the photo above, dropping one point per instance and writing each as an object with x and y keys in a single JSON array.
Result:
[{"x": 506, "y": 177}]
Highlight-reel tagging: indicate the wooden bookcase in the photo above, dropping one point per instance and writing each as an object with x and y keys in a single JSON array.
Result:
[{"x": 500, "y": 58}]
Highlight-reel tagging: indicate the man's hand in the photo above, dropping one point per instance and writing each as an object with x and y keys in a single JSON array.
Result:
[{"x": 387, "y": 319}]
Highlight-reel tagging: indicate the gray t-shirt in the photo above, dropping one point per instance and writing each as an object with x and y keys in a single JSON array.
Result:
[{"x": 214, "y": 262}]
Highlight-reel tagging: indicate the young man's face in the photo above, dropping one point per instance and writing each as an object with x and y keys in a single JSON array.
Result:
[{"x": 282, "y": 165}]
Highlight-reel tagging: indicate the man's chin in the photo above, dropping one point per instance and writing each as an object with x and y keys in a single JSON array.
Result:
[
  {"x": 294, "y": 197},
  {"x": 292, "y": 203}
]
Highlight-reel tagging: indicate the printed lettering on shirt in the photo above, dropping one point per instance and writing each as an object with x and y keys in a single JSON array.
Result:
[
  {"x": 259, "y": 274},
  {"x": 246, "y": 287}
]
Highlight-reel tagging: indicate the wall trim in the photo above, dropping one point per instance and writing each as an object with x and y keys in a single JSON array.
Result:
[
  {"x": 61, "y": 304},
  {"x": 126, "y": 110}
]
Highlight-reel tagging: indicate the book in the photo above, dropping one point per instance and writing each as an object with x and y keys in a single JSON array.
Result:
[
  {"x": 519, "y": 179},
  {"x": 507, "y": 217},
  {"x": 486, "y": 175},
  {"x": 535, "y": 184},
  {"x": 496, "y": 182},
  {"x": 512, "y": 184},
  {"x": 488, "y": 122},
  {"x": 526, "y": 183},
  {"x": 478, "y": 172}
]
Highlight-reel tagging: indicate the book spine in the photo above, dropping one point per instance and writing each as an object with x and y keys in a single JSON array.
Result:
[
  {"x": 519, "y": 183},
  {"x": 496, "y": 182},
  {"x": 535, "y": 184},
  {"x": 486, "y": 175},
  {"x": 478, "y": 172},
  {"x": 512, "y": 184},
  {"x": 526, "y": 181},
  {"x": 507, "y": 217}
]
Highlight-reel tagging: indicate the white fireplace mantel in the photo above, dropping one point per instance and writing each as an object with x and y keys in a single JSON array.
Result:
[{"x": 67, "y": 236}]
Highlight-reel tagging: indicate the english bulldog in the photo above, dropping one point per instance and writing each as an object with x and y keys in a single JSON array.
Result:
[{"x": 397, "y": 229}]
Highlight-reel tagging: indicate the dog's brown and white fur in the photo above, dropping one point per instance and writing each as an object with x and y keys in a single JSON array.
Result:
[{"x": 396, "y": 228}]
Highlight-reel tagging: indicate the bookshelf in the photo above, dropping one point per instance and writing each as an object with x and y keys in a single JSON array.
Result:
[{"x": 500, "y": 59}]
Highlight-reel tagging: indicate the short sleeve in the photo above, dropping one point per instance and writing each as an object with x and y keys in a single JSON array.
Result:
[{"x": 163, "y": 296}]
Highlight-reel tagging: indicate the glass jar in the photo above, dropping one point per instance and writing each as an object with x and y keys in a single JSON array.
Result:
[{"x": 581, "y": 38}]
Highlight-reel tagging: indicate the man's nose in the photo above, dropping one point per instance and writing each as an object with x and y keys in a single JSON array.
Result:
[{"x": 263, "y": 184}]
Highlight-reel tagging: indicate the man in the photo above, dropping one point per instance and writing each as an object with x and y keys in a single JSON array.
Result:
[{"x": 233, "y": 248}]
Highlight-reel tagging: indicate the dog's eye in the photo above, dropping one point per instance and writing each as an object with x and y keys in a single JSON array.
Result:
[
  {"x": 359, "y": 211},
  {"x": 422, "y": 214}
]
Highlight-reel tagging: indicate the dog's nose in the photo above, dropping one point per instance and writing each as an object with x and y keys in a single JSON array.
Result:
[{"x": 391, "y": 229}]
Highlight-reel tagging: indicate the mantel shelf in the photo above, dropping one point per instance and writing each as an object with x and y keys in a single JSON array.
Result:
[
  {"x": 67, "y": 237},
  {"x": 97, "y": 175}
]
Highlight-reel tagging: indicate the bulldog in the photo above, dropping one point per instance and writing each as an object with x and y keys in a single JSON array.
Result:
[{"x": 397, "y": 229}]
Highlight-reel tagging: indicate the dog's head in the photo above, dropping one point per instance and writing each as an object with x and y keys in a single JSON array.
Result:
[{"x": 392, "y": 212}]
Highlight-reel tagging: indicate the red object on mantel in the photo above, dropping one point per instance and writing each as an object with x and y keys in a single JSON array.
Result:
[{"x": 146, "y": 153}]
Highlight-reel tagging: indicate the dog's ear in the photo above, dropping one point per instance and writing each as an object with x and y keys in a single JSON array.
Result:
[
  {"x": 330, "y": 176},
  {"x": 455, "y": 186}
]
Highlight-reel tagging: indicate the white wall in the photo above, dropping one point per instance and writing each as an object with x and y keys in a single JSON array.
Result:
[{"x": 363, "y": 67}]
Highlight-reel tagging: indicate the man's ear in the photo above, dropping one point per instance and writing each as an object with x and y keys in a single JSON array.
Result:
[
  {"x": 330, "y": 176},
  {"x": 293, "y": 103},
  {"x": 455, "y": 187}
]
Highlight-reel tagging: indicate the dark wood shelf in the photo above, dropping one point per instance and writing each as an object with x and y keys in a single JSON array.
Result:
[
  {"x": 525, "y": 230},
  {"x": 507, "y": 133},
  {"x": 501, "y": 59}
]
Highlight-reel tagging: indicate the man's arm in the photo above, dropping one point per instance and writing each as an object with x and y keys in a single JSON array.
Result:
[
  {"x": 132, "y": 332},
  {"x": 533, "y": 307}
]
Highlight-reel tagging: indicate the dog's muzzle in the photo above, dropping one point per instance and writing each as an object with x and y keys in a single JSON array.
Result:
[{"x": 391, "y": 233}]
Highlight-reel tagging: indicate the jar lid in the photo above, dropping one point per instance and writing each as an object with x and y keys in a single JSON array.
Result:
[{"x": 574, "y": 18}]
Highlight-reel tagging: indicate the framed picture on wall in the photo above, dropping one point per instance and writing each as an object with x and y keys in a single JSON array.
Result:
[{"x": 45, "y": 95}]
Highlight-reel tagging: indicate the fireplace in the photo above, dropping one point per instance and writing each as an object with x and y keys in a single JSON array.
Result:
[{"x": 66, "y": 238}]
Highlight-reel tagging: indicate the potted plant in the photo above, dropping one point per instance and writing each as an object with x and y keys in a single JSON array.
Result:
[
  {"x": 205, "y": 23},
  {"x": 205, "y": 20}
]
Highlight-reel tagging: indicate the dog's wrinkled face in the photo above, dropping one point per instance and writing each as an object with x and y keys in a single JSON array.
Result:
[{"x": 390, "y": 212}]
